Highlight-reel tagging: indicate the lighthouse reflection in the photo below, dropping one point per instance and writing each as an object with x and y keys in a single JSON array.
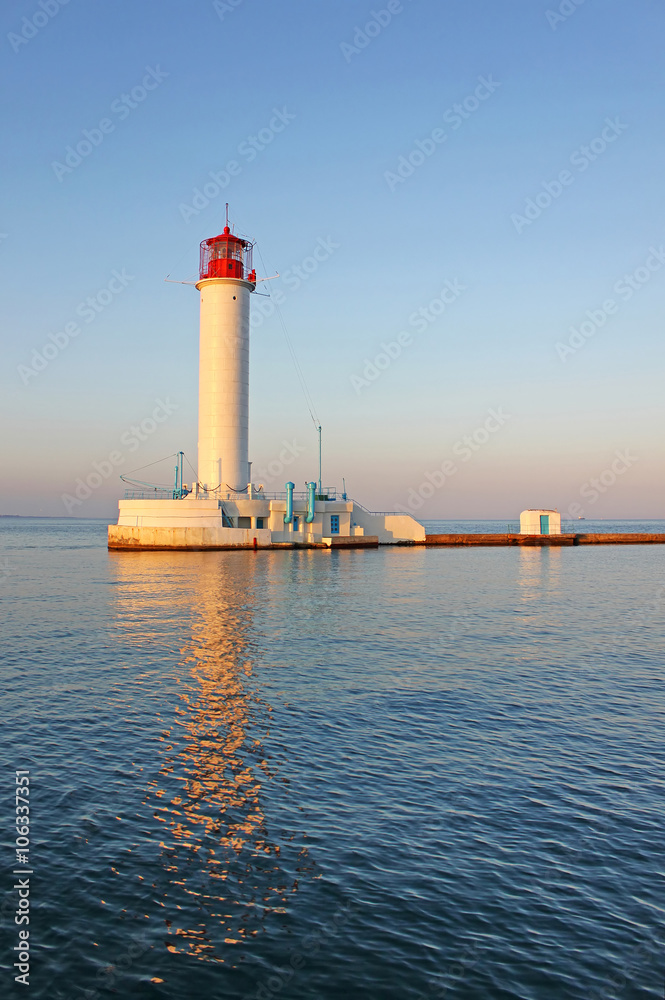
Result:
[{"x": 222, "y": 869}]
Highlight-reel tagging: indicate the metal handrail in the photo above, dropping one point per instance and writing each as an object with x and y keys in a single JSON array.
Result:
[
  {"x": 331, "y": 493},
  {"x": 381, "y": 513},
  {"x": 169, "y": 494},
  {"x": 279, "y": 495},
  {"x": 154, "y": 494}
]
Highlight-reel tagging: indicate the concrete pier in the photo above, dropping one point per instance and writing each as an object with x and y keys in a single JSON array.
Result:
[
  {"x": 608, "y": 538},
  {"x": 124, "y": 537},
  {"x": 257, "y": 521}
]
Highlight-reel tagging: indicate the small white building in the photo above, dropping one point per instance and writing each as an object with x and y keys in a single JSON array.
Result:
[{"x": 540, "y": 522}]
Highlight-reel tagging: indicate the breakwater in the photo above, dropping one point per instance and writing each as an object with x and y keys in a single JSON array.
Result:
[{"x": 607, "y": 538}]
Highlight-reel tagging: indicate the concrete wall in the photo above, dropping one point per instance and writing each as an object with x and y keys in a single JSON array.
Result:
[
  {"x": 390, "y": 528},
  {"x": 123, "y": 537},
  {"x": 169, "y": 513},
  {"x": 244, "y": 507}
]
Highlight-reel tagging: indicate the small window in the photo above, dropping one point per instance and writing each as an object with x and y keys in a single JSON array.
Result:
[
  {"x": 259, "y": 522},
  {"x": 244, "y": 522},
  {"x": 334, "y": 524},
  {"x": 296, "y": 524}
]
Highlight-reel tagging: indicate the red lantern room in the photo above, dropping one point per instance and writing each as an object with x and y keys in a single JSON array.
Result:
[{"x": 227, "y": 256}]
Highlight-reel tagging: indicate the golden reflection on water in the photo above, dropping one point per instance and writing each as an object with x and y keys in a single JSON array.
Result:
[
  {"x": 217, "y": 851},
  {"x": 539, "y": 571},
  {"x": 539, "y": 585}
]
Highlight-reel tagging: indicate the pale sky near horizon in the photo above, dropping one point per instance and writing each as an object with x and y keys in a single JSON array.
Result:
[{"x": 464, "y": 201}]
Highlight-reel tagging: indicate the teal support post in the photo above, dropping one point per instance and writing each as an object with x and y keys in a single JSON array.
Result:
[
  {"x": 288, "y": 517},
  {"x": 311, "y": 500}
]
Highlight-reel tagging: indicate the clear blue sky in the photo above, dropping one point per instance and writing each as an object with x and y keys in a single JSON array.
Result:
[{"x": 352, "y": 108}]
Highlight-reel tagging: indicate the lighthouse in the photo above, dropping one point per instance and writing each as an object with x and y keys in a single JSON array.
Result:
[
  {"x": 226, "y": 280},
  {"x": 222, "y": 508}
]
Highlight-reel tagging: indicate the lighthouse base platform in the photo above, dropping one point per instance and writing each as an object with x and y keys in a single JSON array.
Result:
[{"x": 256, "y": 522}]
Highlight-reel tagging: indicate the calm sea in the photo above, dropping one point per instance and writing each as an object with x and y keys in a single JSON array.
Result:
[{"x": 398, "y": 774}]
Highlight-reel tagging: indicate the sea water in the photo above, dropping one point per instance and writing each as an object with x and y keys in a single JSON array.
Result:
[{"x": 396, "y": 773}]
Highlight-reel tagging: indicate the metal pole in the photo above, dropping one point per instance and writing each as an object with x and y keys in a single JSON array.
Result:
[{"x": 320, "y": 488}]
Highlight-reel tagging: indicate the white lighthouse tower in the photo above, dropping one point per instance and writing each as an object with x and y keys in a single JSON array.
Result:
[
  {"x": 223, "y": 509},
  {"x": 226, "y": 279}
]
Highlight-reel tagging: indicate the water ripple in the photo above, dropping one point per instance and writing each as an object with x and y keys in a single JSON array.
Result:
[{"x": 405, "y": 774}]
